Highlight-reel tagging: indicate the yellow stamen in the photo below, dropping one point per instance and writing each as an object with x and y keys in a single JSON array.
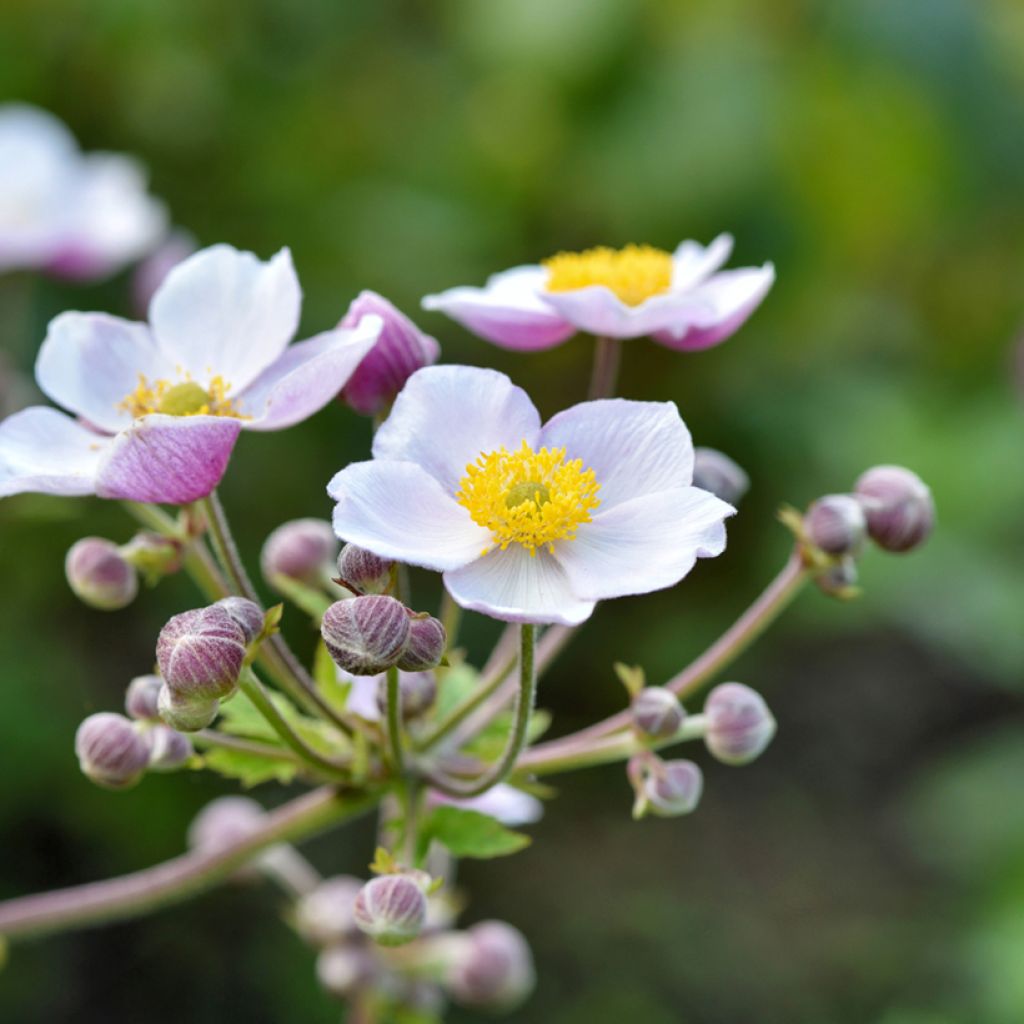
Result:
[
  {"x": 527, "y": 497},
  {"x": 634, "y": 273},
  {"x": 185, "y": 398}
]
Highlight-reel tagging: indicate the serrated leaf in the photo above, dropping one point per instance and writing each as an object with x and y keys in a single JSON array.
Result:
[
  {"x": 250, "y": 769},
  {"x": 469, "y": 833},
  {"x": 240, "y": 717}
]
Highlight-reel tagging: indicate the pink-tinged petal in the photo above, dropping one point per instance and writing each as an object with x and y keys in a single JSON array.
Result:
[
  {"x": 45, "y": 452},
  {"x": 514, "y": 586},
  {"x": 693, "y": 263},
  {"x": 90, "y": 363},
  {"x": 226, "y": 313},
  {"x": 400, "y": 351},
  {"x": 448, "y": 415},
  {"x": 308, "y": 376},
  {"x": 508, "y": 311},
  {"x": 168, "y": 460},
  {"x": 396, "y": 510},
  {"x": 634, "y": 448},
  {"x": 723, "y": 304},
  {"x": 645, "y": 544}
]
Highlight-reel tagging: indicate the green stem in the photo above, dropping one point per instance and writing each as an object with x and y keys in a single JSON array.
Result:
[
  {"x": 394, "y": 716},
  {"x": 212, "y": 738},
  {"x": 605, "y": 372}
]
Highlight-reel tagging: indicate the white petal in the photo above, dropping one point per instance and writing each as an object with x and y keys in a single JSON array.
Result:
[
  {"x": 511, "y": 806},
  {"x": 397, "y": 510},
  {"x": 224, "y": 312},
  {"x": 44, "y": 451},
  {"x": 693, "y": 263},
  {"x": 645, "y": 544},
  {"x": 513, "y": 586},
  {"x": 448, "y": 415},
  {"x": 362, "y": 697},
  {"x": 634, "y": 448},
  {"x": 90, "y": 363}
]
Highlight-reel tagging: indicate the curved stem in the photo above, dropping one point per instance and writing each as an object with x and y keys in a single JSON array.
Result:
[
  {"x": 394, "y": 716},
  {"x": 520, "y": 730},
  {"x": 605, "y": 372},
  {"x": 135, "y": 894}
]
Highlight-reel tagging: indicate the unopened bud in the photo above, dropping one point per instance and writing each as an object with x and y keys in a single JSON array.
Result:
[
  {"x": 363, "y": 572},
  {"x": 899, "y": 507},
  {"x": 401, "y": 349},
  {"x": 153, "y": 555},
  {"x": 417, "y": 692},
  {"x": 739, "y": 724},
  {"x": 492, "y": 967},
  {"x": 391, "y": 909},
  {"x": 426, "y": 645},
  {"x": 140, "y": 699},
  {"x": 839, "y": 580},
  {"x": 110, "y": 750},
  {"x": 247, "y": 615},
  {"x": 366, "y": 635},
  {"x": 300, "y": 550},
  {"x": 657, "y": 712},
  {"x": 224, "y": 822},
  {"x": 168, "y": 748},
  {"x": 715, "y": 472},
  {"x": 326, "y": 915},
  {"x": 341, "y": 970},
  {"x": 200, "y": 654},
  {"x": 836, "y": 524},
  {"x": 99, "y": 576},
  {"x": 186, "y": 714},
  {"x": 672, "y": 788}
]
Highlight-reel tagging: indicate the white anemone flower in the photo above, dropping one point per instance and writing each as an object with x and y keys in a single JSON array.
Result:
[{"x": 528, "y": 522}]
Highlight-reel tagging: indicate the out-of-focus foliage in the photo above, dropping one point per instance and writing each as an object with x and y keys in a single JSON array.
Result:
[{"x": 871, "y": 867}]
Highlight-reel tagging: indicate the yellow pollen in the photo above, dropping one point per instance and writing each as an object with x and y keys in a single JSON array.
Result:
[
  {"x": 634, "y": 273},
  {"x": 527, "y": 497},
  {"x": 185, "y": 398}
]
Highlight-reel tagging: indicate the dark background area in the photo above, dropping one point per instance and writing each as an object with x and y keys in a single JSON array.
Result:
[{"x": 870, "y": 868}]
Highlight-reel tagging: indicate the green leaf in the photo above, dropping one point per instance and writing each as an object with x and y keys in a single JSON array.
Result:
[
  {"x": 469, "y": 833},
  {"x": 454, "y": 686},
  {"x": 250, "y": 769},
  {"x": 325, "y": 675},
  {"x": 313, "y": 602},
  {"x": 240, "y": 717}
]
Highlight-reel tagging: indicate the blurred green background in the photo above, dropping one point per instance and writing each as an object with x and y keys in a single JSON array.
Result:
[{"x": 870, "y": 868}]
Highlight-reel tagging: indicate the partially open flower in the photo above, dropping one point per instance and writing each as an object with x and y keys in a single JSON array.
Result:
[
  {"x": 168, "y": 748},
  {"x": 492, "y": 967},
  {"x": 836, "y": 524},
  {"x": 140, "y": 699},
  {"x": 426, "y": 645},
  {"x": 326, "y": 915},
  {"x": 366, "y": 635},
  {"x": 362, "y": 571},
  {"x": 714, "y": 471},
  {"x": 299, "y": 550},
  {"x": 740, "y": 725},
  {"x": 899, "y": 507},
  {"x": 201, "y": 653},
  {"x": 110, "y": 750},
  {"x": 98, "y": 574},
  {"x": 391, "y": 909},
  {"x": 657, "y": 712}
]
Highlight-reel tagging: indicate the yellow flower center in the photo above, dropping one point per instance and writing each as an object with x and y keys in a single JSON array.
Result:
[
  {"x": 186, "y": 398},
  {"x": 527, "y": 497},
  {"x": 634, "y": 273}
]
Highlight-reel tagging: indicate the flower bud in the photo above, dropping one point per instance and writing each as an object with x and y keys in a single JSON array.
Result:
[
  {"x": 168, "y": 748},
  {"x": 300, "y": 550},
  {"x": 110, "y": 751},
  {"x": 200, "y": 654},
  {"x": 715, "y": 472},
  {"x": 899, "y": 507},
  {"x": 363, "y": 572},
  {"x": 99, "y": 576},
  {"x": 657, "y": 712},
  {"x": 401, "y": 349},
  {"x": 140, "y": 699},
  {"x": 391, "y": 909},
  {"x": 366, "y": 635},
  {"x": 839, "y": 580},
  {"x": 185, "y": 714},
  {"x": 326, "y": 915},
  {"x": 426, "y": 645},
  {"x": 153, "y": 555},
  {"x": 247, "y": 615},
  {"x": 341, "y": 970},
  {"x": 492, "y": 968},
  {"x": 836, "y": 524},
  {"x": 739, "y": 724},
  {"x": 417, "y": 692},
  {"x": 224, "y": 822},
  {"x": 672, "y": 788}
]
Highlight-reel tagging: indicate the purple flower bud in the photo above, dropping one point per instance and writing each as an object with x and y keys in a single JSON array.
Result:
[
  {"x": 673, "y": 788},
  {"x": 366, "y": 635},
  {"x": 326, "y": 915},
  {"x": 140, "y": 699},
  {"x": 363, "y": 572},
  {"x": 899, "y": 507},
  {"x": 391, "y": 909},
  {"x": 341, "y": 970},
  {"x": 185, "y": 714},
  {"x": 224, "y": 822},
  {"x": 715, "y": 472},
  {"x": 836, "y": 524},
  {"x": 168, "y": 748},
  {"x": 492, "y": 967},
  {"x": 200, "y": 654},
  {"x": 99, "y": 576},
  {"x": 417, "y": 692},
  {"x": 739, "y": 724},
  {"x": 300, "y": 550},
  {"x": 657, "y": 712},
  {"x": 248, "y": 615},
  {"x": 426, "y": 645},
  {"x": 153, "y": 555},
  {"x": 400, "y": 351},
  {"x": 110, "y": 751}
]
